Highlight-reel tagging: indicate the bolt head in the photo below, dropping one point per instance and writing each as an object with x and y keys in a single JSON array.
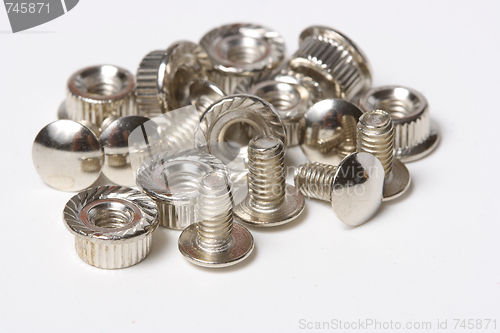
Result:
[
  {"x": 398, "y": 183},
  {"x": 241, "y": 246},
  {"x": 288, "y": 211},
  {"x": 357, "y": 188}
]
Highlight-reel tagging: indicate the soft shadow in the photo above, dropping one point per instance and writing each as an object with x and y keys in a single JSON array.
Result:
[
  {"x": 233, "y": 268},
  {"x": 161, "y": 238},
  {"x": 302, "y": 217}
]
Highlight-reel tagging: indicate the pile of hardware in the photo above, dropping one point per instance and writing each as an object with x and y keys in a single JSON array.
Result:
[{"x": 202, "y": 131}]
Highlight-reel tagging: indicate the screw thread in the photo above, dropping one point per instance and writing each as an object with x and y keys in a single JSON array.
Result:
[
  {"x": 214, "y": 210},
  {"x": 266, "y": 172},
  {"x": 331, "y": 142},
  {"x": 349, "y": 126},
  {"x": 376, "y": 136},
  {"x": 315, "y": 180}
]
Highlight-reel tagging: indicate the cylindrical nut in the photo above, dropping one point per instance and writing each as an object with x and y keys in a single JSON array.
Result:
[
  {"x": 112, "y": 225},
  {"x": 416, "y": 135},
  {"x": 172, "y": 181},
  {"x": 239, "y": 51},
  {"x": 96, "y": 92}
]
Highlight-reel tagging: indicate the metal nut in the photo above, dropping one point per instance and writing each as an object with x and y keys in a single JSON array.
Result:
[
  {"x": 291, "y": 94},
  {"x": 112, "y": 225},
  {"x": 416, "y": 136},
  {"x": 97, "y": 92},
  {"x": 334, "y": 61},
  {"x": 164, "y": 77},
  {"x": 221, "y": 133},
  {"x": 354, "y": 188},
  {"x": 239, "y": 51},
  {"x": 172, "y": 181},
  {"x": 270, "y": 201},
  {"x": 215, "y": 241}
]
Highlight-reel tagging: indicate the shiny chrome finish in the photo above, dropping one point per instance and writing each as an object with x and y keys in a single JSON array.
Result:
[
  {"x": 67, "y": 155},
  {"x": 334, "y": 61},
  {"x": 239, "y": 51},
  {"x": 164, "y": 77},
  {"x": 215, "y": 241},
  {"x": 354, "y": 188},
  {"x": 97, "y": 92},
  {"x": 416, "y": 135},
  {"x": 270, "y": 201},
  {"x": 115, "y": 142},
  {"x": 204, "y": 93},
  {"x": 327, "y": 132},
  {"x": 221, "y": 130},
  {"x": 290, "y": 93},
  {"x": 376, "y": 136},
  {"x": 112, "y": 225},
  {"x": 172, "y": 181}
]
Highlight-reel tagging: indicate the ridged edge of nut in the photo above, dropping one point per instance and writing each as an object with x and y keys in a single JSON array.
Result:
[
  {"x": 334, "y": 55},
  {"x": 114, "y": 255},
  {"x": 80, "y": 108},
  {"x": 147, "y": 92},
  {"x": 176, "y": 217}
]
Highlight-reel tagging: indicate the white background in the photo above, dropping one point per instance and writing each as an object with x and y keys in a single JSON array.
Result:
[{"x": 431, "y": 255}]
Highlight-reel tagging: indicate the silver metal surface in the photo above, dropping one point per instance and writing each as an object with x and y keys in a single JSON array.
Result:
[
  {"x": 115, "y": 142},
  {"x": 332, "y": 60},
  {"x": 96, "y": 92},
  {"x": 291, "y": 94},
  {"x": 215, "y": 241},
  {"x": 164, "y": 77},
  {"x": 270, "y": 201},
  {"x": 67, "y": 155},
  {"x": 239, "y": 51},
  {"x": 327, "y": 132},
  {"x": 416, "y": 135},
  {"x": 221, "y": 130},
  {"x": 354, "y": 188},
  {"x": 376, "y": 136},
  {"x": 112, "y": 225},
  {"x": 172, "y": 181},
  {"x": 204, "y": 93}
]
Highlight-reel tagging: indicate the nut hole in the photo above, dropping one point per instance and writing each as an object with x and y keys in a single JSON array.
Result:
[
  {"x": 111, "y": 215},
  {"x": 398, "y": 103},
  {"x": 243, "y": 50},
  {"x": 101, "y": 81},
  {"x": 282, "y": 96}
]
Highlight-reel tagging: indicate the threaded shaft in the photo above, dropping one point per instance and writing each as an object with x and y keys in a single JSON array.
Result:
[
  {"x": 348, "y": 146},
  {"x": 214, "y": 210},
  {"x": 315, "y": 180},
  {"x": 266, "y": 172},
  {"x": 376, "y": 136},
  {"x": 327, "y": 144}
]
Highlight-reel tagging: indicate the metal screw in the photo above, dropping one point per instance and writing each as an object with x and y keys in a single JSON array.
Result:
[
  {"x": 215, "y": 241},
  {"x": 376, "y": 136},
  {"x": 354, "y": 188},
  {"x": 348, "y": 145},
  {"x": 270, "y": 201}
]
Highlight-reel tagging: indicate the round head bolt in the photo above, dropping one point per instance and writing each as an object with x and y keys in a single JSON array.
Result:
[
  {"x": 270, "y": 201},
  {"x": 354, "y": 187},
  {"x": 215, "y": 241}
]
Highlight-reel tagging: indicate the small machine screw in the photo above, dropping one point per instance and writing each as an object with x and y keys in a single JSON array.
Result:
[
  {"x": 270, "y": 201},
  {"x": 354, "y": 188},
  {"x": 376, "y": 136},
  {"x": 215, "y": 241}
]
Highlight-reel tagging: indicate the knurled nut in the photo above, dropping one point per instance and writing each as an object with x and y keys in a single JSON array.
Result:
[
  {"x": 112, "y": 225},
  {"x": 156, "y": 86},
  {"x": 415, "y": 134},
  {"x": 176, "y": 207},
  {"x": 97, "y": 92},
  {"x": 334, "y": 61},
  {"x": 291, "y": 109},
  {"x": 233, "y": 62}
]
